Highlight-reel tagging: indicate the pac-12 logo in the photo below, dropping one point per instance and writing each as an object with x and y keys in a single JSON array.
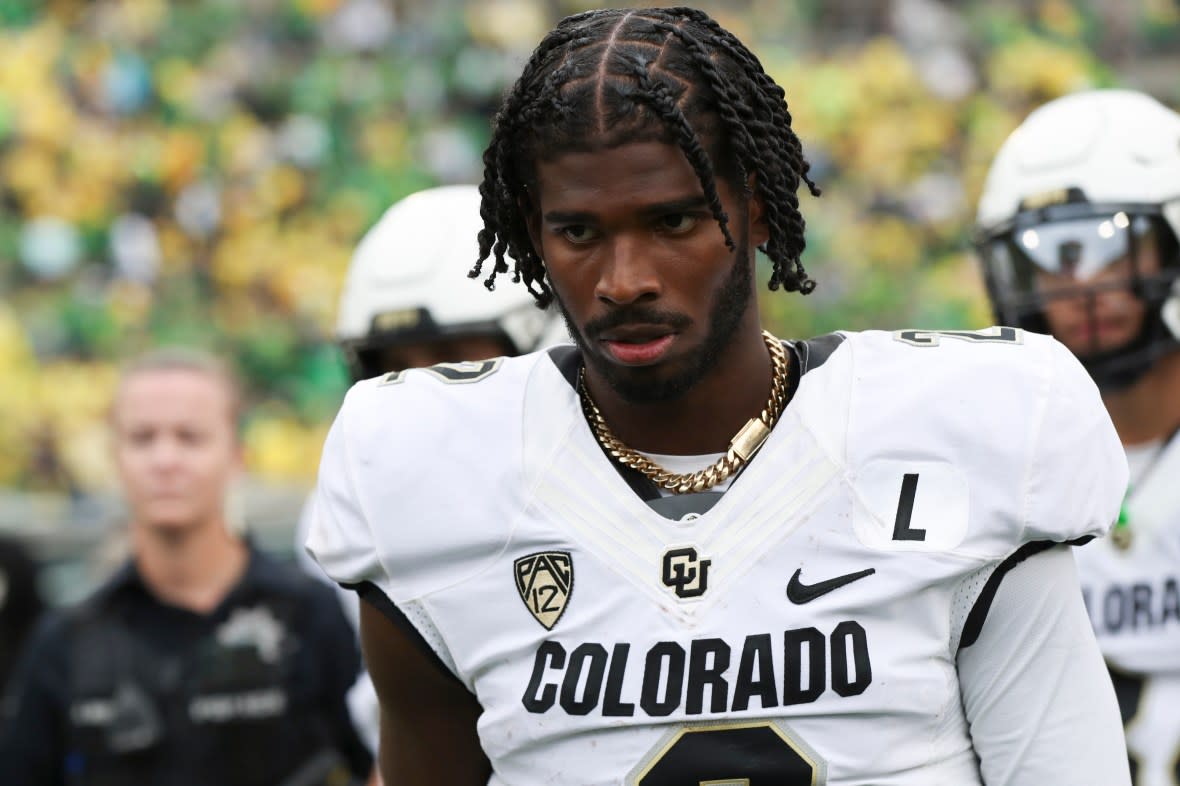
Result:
[
  {"x": 685, "y": 572},
  {"x": 544, "y": 581}
]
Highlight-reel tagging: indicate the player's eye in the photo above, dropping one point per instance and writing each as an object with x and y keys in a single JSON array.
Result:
[
  {"x": 189, "y": 436},
  {"x": 140, "y": 437},
  {"x": 578, "y": 233},
  {"x": 678, "y": 223}
]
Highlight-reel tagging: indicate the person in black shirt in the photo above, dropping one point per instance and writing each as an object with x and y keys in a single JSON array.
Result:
[
  {"x": 21, "y": 604},
  {"x": 202, "y": 661}
]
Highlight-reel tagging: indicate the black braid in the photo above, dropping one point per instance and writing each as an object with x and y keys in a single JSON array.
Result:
[
  {"x": 661, "y": 99},
  {"x": 664, "y": 74},
  {"x": 503, "y": 230},
  {"x": 772, "y": 104}
]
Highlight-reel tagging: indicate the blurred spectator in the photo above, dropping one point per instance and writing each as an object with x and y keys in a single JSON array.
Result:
[
  {"x": 21, "y": 605},
  {"x": 202, "y": 661},
  {"x": 201, "y": 172}
]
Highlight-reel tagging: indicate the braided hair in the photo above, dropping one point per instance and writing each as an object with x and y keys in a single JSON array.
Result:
[{"x": 605, "y": 78}]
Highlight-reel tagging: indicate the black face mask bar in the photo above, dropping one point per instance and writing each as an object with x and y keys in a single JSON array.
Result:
[{"x": 1080, "y": 241}]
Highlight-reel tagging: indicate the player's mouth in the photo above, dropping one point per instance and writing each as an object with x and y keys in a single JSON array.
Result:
[
  {"x": 638, "y": 346},
  {"x": 1100, "y": 334}
]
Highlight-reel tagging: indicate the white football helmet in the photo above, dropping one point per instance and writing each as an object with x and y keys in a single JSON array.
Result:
[
  {"x": 408, "y": 283},
  {"x": 1082, "y": 183}
]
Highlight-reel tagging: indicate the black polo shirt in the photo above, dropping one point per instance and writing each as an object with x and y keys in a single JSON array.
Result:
[{"x": 125, "y": 688}]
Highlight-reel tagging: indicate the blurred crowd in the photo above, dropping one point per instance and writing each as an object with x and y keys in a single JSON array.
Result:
[{"x": 199, "y": 173}]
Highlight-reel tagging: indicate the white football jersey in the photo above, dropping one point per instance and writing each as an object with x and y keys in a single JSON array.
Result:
[
  {"x": 1132, "y": 592},
  {"x": 800, "y": 628}
]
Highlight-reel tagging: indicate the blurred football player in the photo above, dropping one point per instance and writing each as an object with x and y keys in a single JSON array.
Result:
[
  {"x": 408, "y": 303},
  {"x": 682, "y": 550},
  {"x": 1079, "y": 221}
]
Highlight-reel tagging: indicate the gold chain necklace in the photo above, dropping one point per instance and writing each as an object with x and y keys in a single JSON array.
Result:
[{"x": 741, "y": 448}]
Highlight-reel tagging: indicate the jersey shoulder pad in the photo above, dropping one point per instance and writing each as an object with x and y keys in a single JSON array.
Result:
[
  {"x": 995, "y": 438},
  {"x": 418, "y": 484}
]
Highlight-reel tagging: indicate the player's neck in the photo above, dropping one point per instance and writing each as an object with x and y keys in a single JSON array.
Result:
[
  {"x": 1150, "y": 409},
  {"x": 706, "y": 418},
  {"x": 193, "y": 568}
]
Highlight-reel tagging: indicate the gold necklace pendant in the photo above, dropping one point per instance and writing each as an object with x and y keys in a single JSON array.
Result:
[{"x": 741, "y": 449}]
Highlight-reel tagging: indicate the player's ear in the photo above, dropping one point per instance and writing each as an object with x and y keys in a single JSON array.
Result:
[
  {"x": 531, "y": 210},
  {"x": 756, "y": 210}
]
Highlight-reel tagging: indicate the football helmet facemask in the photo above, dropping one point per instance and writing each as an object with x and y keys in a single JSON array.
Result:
[{"x": 1081, "y": 202}]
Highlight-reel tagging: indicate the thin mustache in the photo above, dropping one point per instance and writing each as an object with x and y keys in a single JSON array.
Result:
[{"x": 636, "y": 316}]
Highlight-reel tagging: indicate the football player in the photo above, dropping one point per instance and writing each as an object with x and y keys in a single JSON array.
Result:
[
  {"x": 1079, "y": 221},
  {"x": 683, "y": 550},
  {"x": 402, "y": 308}
]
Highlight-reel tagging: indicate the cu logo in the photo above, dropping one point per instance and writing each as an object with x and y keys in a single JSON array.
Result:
[{"x": 685, "y": 572}]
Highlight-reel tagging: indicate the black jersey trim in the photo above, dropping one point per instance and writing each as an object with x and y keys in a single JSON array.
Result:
[
  {"x": 641, "y": 484},
  {"x": 375, "y": 597},
  {"x": 814, "y": 352},
  {"x": 568, "y": 360},
  {"x": 978, "y": 614}
]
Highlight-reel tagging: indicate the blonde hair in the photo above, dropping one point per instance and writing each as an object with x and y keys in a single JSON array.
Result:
[{"x": 190, "y": 359}]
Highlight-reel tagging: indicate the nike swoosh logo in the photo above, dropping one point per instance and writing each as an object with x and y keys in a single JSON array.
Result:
[{"x": 800, "y": 593}]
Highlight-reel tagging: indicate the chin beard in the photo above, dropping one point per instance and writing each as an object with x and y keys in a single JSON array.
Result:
[{"x": 648, "y": 386}]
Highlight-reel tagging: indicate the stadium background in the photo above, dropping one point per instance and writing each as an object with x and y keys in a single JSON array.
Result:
[{"x": 198, "y": 172}]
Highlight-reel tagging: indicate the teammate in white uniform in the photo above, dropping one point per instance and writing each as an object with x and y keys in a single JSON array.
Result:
[
  {"x": 1080, "y": 217},
  {"x": 401, "y": 308},
  {"x": 681, "y": 550}
]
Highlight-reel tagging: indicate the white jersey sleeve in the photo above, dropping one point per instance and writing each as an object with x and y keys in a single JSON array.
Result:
[
  {"x": 419, "y": 485},
  {"x": 409, "y": 457},
  {"x": 1078, "y": 471},
  {"x": 339, "y": 536},
  {"x": 1005, "y": 433},
  {"x": 1037, "y": 697}
]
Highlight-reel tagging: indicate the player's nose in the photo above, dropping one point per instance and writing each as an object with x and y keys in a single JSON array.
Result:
[{"x": 627, "y": 274}]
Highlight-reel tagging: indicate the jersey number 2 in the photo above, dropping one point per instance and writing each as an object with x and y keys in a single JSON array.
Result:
[
  {"x": 931, "y": 338},
  {"x": 744, "y": 754},
  {"x": 460, "y": 373}
]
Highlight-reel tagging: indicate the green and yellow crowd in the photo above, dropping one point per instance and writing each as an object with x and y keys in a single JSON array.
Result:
[{"x": 199, "y": 172}]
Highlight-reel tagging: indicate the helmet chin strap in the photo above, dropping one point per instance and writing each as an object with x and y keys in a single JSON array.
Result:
[{"x": 1118, "y": 369}]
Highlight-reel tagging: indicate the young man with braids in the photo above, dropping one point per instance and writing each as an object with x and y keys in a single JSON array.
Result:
[{"x": 686, "y": 551}]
